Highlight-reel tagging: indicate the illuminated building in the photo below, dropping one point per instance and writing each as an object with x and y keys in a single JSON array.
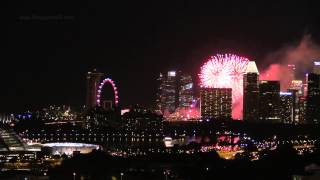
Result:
[
  {"x": 251, "y": 92},
  {"x": 215, "y": 103},
  {"x": 269, "y": 101},
  {"x": 302, "y": 109},
  {"x": 139, "y": 120},
  {"x": 11, "y": 146},
  {"x": 186, "y": 109},
  {"x": 313, "y": 99},
  {"x": 53, "y": 115},
  {"x": 175, "y": 90},
  {"x": 93, "y": 82},
  {"x": 10, "y": 141},
  {"x": 98, "y": 117},
  {"x": 167, "y": 92},
  {"x": 185, "y": 91},
  {"x": 286, "y": 107},
  {"x": 296, "y": 88},
  {"x": 7, "y": 119},
  {"x": 70, "y": 148},
  {"x": 185, "y": 114},
  {"x": 297, "y": 85},
  {"x": 316, "y": 67}
]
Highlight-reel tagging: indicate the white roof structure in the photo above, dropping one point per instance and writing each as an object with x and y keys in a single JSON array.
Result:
[{"x": 252, "y": 67}]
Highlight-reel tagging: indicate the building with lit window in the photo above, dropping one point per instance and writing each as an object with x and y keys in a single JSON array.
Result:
[
  {"x": 286, "y": 107},
  {"x": 313, "y": 99},
  {"x": 215, "y": 103},
  {"x": 316, "y": 67},
  {"x": 251, "y": 92},
  {"x": 10, "y": 141},
  {"x": 93, "y": 81},
  {"x": 269, "y": 101},
  {"x": 302, "y": 105},
  {"x": 175, "y": 91},
  {"x": 296, "y": 88},
  {"x": 297, "y": 85},
  {"x": 185, "y": 91},
  {"x": 167, "y": 100},
  {"x": 13, "y": 147},
  {"x": 141, "y": 120}
]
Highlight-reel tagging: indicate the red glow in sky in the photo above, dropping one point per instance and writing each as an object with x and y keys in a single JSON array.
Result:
[{"x": 277, "y": 72}]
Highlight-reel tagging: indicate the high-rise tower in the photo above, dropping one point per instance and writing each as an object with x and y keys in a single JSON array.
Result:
[
  {"x": 167, "y": 100},
  {"x": 313, "y": 99},
  {"x": 296, "y": 88},
  {"x": 185, "y": 91},
  {"x": 251, "y": 92},
  {"x": 286, "y": 107},
  {"x": 175, "y": 91},
  {"x": 269, "y": 101},
  {"x": 93, "y": 81},
  {"x": 216, "y": 103}
]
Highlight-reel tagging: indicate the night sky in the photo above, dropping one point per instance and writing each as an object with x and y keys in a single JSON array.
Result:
[{"x": 50, "y": 47}]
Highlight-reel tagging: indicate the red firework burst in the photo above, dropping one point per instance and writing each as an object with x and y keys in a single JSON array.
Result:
[{"x": 224, "y": 71}]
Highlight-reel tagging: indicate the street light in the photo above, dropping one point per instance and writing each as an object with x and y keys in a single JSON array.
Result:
[
  {"x": 121, "y": 174},
  {"x": 74, "y": 176}
]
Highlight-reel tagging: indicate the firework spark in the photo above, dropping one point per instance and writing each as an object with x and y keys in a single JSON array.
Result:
[{"x": 225, "y": 71}]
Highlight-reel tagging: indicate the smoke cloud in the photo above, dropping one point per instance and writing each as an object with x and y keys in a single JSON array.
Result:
[{"x": 301, "y": 55}]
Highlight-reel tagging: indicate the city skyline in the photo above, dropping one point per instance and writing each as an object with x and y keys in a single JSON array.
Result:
[
  {"x": 161, "y": 90},
  {"x": 103, "y": 79},
  {"x": 147, "y": 44}
]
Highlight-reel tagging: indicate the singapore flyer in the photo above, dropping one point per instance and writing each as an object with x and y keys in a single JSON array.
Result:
[{"x": 99, "y": 91}]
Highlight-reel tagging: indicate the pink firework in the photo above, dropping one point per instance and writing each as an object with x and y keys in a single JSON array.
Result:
[{"x": 225, "y": 71}]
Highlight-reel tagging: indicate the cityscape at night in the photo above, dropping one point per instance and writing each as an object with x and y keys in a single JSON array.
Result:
[{"x": 165, "y": 91}]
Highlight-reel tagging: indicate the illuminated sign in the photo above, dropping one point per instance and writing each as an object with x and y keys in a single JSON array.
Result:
[
  {"x": 296, "y": 83},
  {"x": 171, "y": 73},
  {"x": 188, "y": 86},
  {"x": 317, "y": 63},
  {"x": 124, "y": 111},
  {"x": 285, "y": 93}
]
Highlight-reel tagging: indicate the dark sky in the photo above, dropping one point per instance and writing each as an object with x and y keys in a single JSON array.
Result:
[{"x": 51, "y": 46}]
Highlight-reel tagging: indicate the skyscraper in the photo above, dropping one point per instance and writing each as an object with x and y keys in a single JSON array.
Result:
[
  {"x": 175, "y": 91},
  {"x": 93, "y": 81},
  {"x": 216, "y": 103},
  {"x": 313, "y": 99},
  {"x": 167, "y": 100},
  {"x": 302, "y": 109},
  {"x": 269, "y": 101},
  {"x": 185, "y": 91},
  {"x": 286, "y": 107},
  {"x": 296, "y": 88},
  {"x": 251, "y": 92}
]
